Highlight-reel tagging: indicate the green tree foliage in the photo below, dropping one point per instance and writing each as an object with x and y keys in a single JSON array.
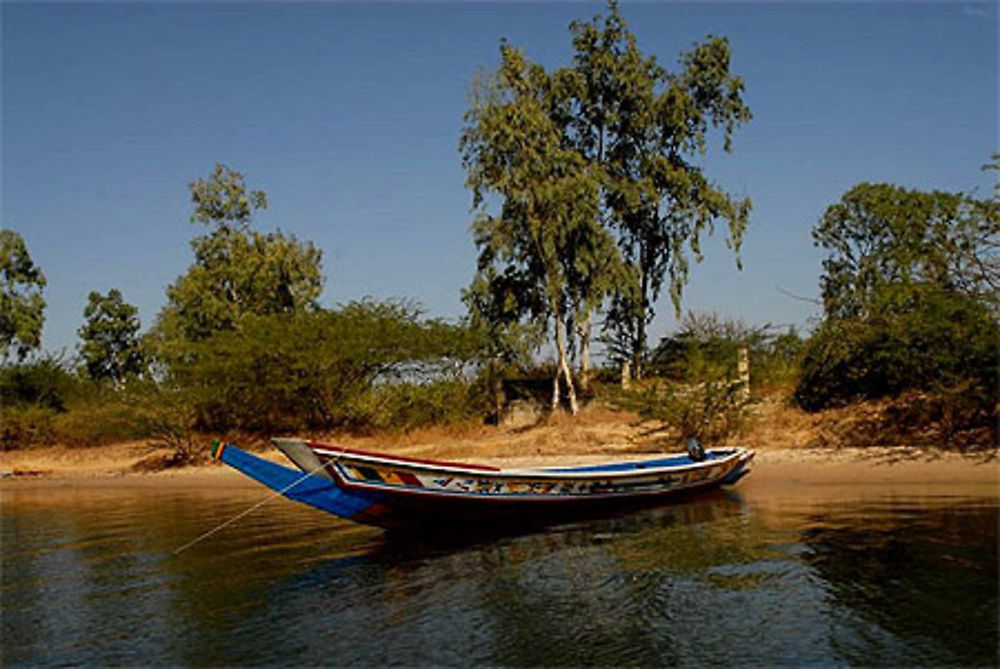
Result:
[
  {"x": 705, "y": 340},
  {"x": 237, "y": 271},
  {"x": 353, "y": 367},
  {"x": 495, "y": 303},
  {"x": 593, "y": 168},
  {"x": 883, "y": 238},
  {"x": 910, "y": 293},
  {"x": 495, "y": 309},
  {"x": 514, "y": 148},
  {"x": 645, "y": 127},
  {"x": 110, "y": 338},
  {"x": 22, "y": 308}
]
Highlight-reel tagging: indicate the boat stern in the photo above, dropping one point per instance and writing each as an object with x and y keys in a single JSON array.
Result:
[{"x": 741, "y": 469}]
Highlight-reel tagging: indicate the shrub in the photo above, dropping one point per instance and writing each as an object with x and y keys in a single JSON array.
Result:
[
  {"x": 712, "y": 410},
  {"x": 938, "y": 342},
  {"x": 96, "y": 424},
  {"x": 709, "y": 340},
  {"x": 46, "y": 403},
  {"x": 347, "y": 368},
  {"x": 411, "y": 405},
  {"x": 168, "y": 416},
  {"x": 44, "y": 382},
  {"x": 94, "y": 420},
  {"x": 701, "y": 399},
  {"x": 25, "y": 426}
]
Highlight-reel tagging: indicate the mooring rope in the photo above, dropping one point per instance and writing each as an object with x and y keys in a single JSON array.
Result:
[{"x": 250, "y": 510}]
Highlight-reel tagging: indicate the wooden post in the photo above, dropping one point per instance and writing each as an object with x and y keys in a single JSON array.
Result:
[{"x": 743, "y": 369}]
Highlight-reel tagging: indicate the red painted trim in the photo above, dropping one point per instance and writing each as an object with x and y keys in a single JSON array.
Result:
[{"x": 400, "y": 458}]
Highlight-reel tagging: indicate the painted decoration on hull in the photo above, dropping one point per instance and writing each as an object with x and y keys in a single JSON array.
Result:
[
  {"x": 396, "y": 492},
  {"x": 388, "y": 477}
]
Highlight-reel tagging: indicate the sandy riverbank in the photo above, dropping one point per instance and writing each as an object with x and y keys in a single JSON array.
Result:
[
  {"x": 771, "y": 467},
  {"x": 790, "y": 451}
]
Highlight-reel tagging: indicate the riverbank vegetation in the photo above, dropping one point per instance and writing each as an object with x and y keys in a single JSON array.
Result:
[{"x": 589, "y": 199}]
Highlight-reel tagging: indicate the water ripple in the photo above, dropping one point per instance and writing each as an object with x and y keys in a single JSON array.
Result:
[{"x": 93, "y": 579}]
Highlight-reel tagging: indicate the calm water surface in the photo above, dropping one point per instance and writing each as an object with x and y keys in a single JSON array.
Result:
[{"x": 835, "y": 575}]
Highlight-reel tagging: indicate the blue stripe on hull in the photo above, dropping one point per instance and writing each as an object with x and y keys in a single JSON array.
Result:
[
  {"x": 675, "y": 461},
  {"x": 316, "y": 490}
]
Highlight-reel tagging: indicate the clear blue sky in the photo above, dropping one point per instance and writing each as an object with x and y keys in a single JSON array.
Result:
[{"x": 348, "y": 115}]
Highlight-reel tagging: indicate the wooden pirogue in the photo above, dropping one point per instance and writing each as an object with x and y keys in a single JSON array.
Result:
[{"x": 393, "y": 491}]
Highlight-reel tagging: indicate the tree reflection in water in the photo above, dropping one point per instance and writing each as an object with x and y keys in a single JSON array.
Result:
[
  {"x": 926, "y": 576},
  {"x": 718, "y": 579}
]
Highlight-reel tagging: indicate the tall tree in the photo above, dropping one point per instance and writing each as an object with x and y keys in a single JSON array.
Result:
[
  {"x": 237, "y": 270},
  {"x": 605, "y": 82},
  {"x": 514, "y": 149},
  {"x": 110, "y": 338},
  {"x": 22, "y": 308},
  {"x": 911, "y": 293},
  {"x": 621, "y": 135},
  {"x": 647, "y": 126},
  {"x": 883, "y": 240}
]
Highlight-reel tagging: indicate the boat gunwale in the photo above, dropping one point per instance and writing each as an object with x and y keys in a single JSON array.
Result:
[
  {"x": 338, "y": 456},
  {"x": 343, "y": 451}
]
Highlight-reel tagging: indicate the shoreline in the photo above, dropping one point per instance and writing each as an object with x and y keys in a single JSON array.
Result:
[
  {"x": 781, "y": 467},
  {"x": 792, "y": 449}
]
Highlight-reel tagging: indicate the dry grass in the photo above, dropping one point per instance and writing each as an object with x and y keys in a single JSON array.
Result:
[
  {"x": 777, "y": 423},
  {"x": 597, "y": 433},
  {"x": 912, "y": 420}
]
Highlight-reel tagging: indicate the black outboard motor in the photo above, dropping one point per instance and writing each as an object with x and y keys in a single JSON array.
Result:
[{"x": 695, "y": 450}]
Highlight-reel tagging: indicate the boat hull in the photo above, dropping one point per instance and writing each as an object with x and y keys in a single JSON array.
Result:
[{"x": 426, "y": 495}]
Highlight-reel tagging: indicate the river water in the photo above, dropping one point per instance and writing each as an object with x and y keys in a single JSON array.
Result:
[{"x": 857, "y": 575}]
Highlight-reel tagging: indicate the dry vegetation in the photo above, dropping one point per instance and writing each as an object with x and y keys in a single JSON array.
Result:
[{"x": 597, "y": 433}]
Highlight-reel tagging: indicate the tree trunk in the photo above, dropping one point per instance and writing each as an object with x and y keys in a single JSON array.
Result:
[
  {"x": 497, "y": 386},
  {"x": 564, "y": 368},
  {"x": 555, "y": 390},
  {"x": 640, "y": 323},
  {"x": 584, "y": 331},
  {"x": 116, "y": 373}
]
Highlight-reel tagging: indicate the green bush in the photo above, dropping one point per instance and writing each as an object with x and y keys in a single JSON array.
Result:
[
  {"x": 44, "y": 402},
  {"x": 25, "y": 426},
  {"x": 711, "y": 410},
  {"x": 924, "y": 340},
  {"x": 707, "y": 340},
  {"x": 94, "y": 420},
  {"x": 166, "y": 416},
  {"x": 45, "y": 382},
  {"x": 405, "y": 406},
  {"x": 98, "y": 423},
  {"x": 700, "y": 394},
  {"x": 365, "y": 365}
]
